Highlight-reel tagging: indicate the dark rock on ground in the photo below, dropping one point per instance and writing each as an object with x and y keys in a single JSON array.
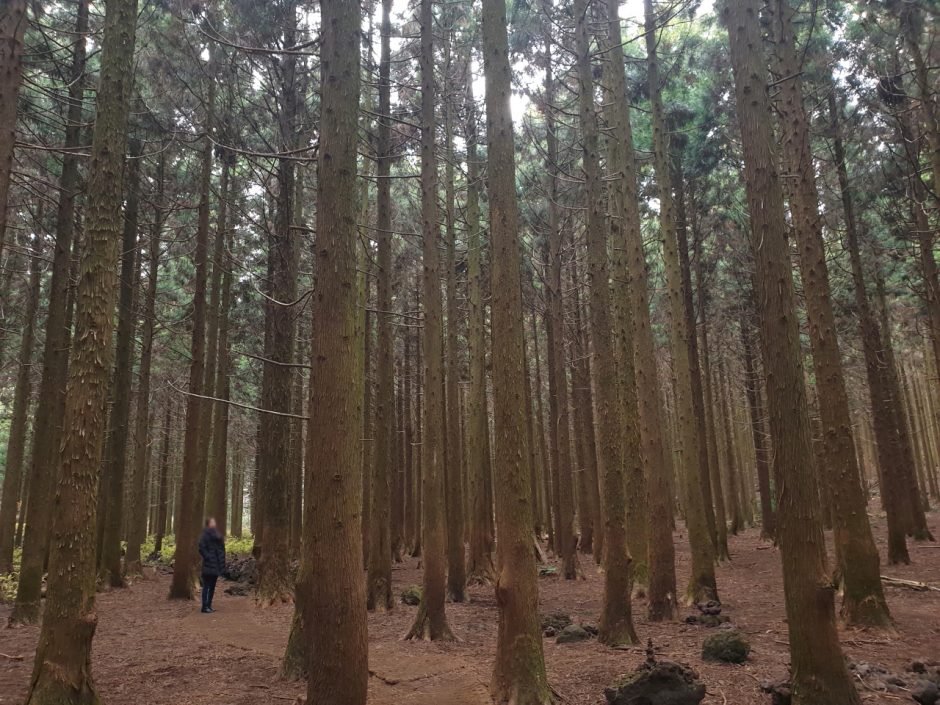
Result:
[
  {"x": 571, "y": 634},
  {"x": 657, "y": 683},
  {"x": 554, "y": 621},
  {"x": 925, "y": 692},
  {"x": 779, "y": 692},
  {"x": 726, "y": 646}
]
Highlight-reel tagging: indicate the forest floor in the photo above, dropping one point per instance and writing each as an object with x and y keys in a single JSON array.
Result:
[{"x": 150, "y": 651}]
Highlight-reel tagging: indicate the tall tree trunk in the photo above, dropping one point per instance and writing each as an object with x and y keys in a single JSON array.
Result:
[
  {"x": 138, "y": 516},
  {"x": 819, "y": 673},
  {"x": 275, "y": 582},
  {"x": 752, "y": 386},
  {"x": 193, "y": 479},
  {"x": 480, "y": 567},
  {"x": 62, "y": 665},
  {"x": 698, "y": 400},
  {"x": 863, "y": 601},
  {"x": 431, "y": 621},
  {"x": 456, "y": 554},
  {"x": 13, "y": 23},
  {"x": 114, "y": 468},
  {"x": 163, "y": 492},
  {"x": 330, "y": 586},
  {"x": 380, "y": 555},
  {"x": 216, "y": 499},
  {"x": 702, "y": 584},
  {"x": 519, "y": 670},
  {"x": 885, "y": 414},
  {"x": 50, "y": 406},
  {"x": 22, "y": 392}
]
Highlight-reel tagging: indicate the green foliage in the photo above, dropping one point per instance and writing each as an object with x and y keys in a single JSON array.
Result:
[
  {"x": 233, "y": 547},
  {"x": 8, "y": 581}
]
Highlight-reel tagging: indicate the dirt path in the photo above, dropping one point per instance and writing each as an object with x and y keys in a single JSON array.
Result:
[{"x": 149, "y": 651}]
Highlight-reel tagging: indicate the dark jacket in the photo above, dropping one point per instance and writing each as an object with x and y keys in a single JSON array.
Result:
[{"x": 212, "y": 550}]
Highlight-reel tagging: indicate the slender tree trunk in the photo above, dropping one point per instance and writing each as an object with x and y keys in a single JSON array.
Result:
[
  {"x": 62, "y": 665},
  {"x": 193, "y": 479},
  {"x": 275, "y": 583},
  {"x": 519, "y": 670},
  {"x": 380, "y": 555},
  {"x": 698, "y": 399},
  {"x": 863, "y": 598},
  {"x": 22, "y": 392},
  {"x": 114, "y": 469},
  {"x": 480, "y": 568},
  {"x": 819, "y": 673},
  {"x": 13, "y": 23},
  {"x": 217, "y": 342},
  {"x": 883, "y": 403},
  {"x": 702, "y": 581},
  {"x": 163, "y": 493},
  {"x": 431, "y": 621},
  {"x": 752, "y": 385},
  {"x": 138, "y": 517},
  {"x": 456, "y": 553},
  {"x": 330, "y": 586},
  {"x": 50, "y": 405}
]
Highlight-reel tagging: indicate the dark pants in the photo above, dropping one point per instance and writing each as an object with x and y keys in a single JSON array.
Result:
[{"x": 208, "y": 589}]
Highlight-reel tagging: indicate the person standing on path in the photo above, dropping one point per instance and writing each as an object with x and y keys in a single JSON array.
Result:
[{"x": 212, "y": 550}]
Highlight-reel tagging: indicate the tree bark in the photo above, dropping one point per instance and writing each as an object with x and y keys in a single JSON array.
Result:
[
  {"x": 330, "y": 588},
  {"x": 819, "y": 673},
  {"x": 114, "y": 468},
  {"x": 863, "y": 601},
  {"x": 702, "y": 586},
  {"x": 380, "y": 555},
  {"x": 50, "y": 405},
  {"x": 193, "y": 479},
  {"x": 431, "y": 621},
  {"x": 519, "y": 670},
  {"x": 62, "y": 665},
  {"x": 22, "y": 392},
  {"x": 138, "y": 532}
]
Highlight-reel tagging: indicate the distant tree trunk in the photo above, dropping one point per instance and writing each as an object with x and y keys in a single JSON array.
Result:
[
  {"x": 752, "y": 386},
  {"x": 22, "y": 392},
  {"x": 193, "y": 479},
  {"x": 732, "y": 470},
  {"x": 885, "y": 415},
  {"x": 218, "y": 460},
  {"x": 163, "y": 492},
  {"x": 635, "y": 341},
  {"x": 480, "y": 568},
  {"x": 47, "y": 428},
  {"x": 545, "y": 513},
  {"x": 380, "y": 555},
  {"x": 819, "y": 673},
  {"x": 710, "y": 438},
  {"x": 410, "y": 517},
  {"x": 863, "y": 601},
  {"x": 13, "y": 23},
  {"x": 583, "y": 434},
  {"x": 702, "y": 580},
  {"x": 138, "y": 532},
  {"x": 453, "y": 470},
  {"x": 519, "y": 670},
  {"x": 431, "y": 622},
  {"x": 698, "y": 399},
  {"x": 114, "y": 468},
  {"x": 275, "y": 582},
  {"x": 62, "y": 665}
]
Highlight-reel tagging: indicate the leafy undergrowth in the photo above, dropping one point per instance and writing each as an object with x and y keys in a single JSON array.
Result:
[
  {"x": 8, "y": 580},
  {"x": 233, "y": 546}
]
